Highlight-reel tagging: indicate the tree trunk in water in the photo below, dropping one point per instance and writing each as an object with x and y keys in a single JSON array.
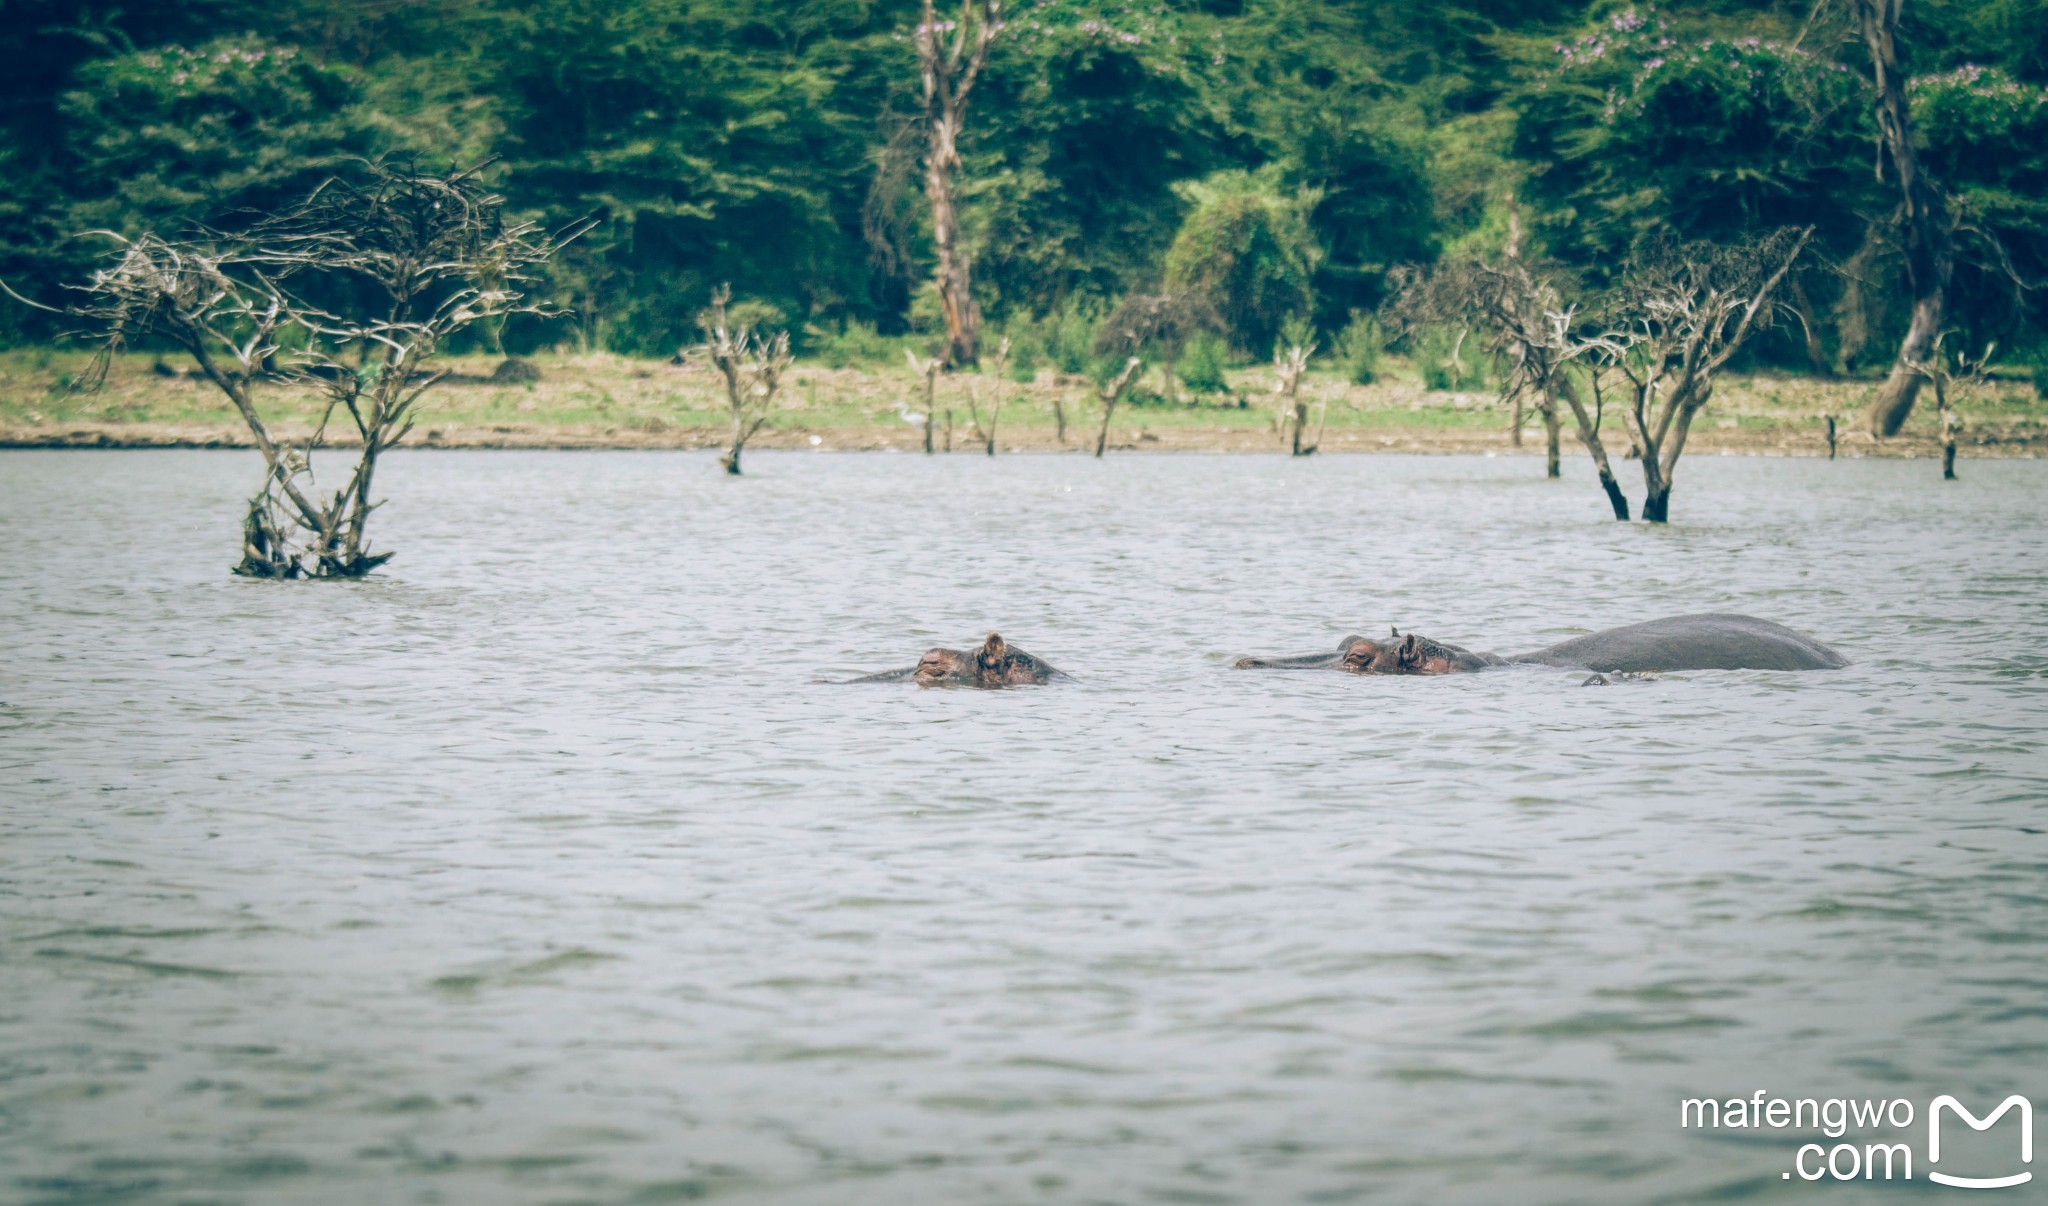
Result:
[
  {"x": 1949, "y": 423},
  {"x": 931, "y": 412},
  {"x": 731, "y": 460},
  {"x": 1550, "y": 429},
  {"x": 1589, "y": 435},
  {"x": 1615, "y": 498},
  {"x": 1300, "y": 422},
  {"x": 1059, "y": 417},
  {"x": 1660, "y": 457},
  {"x": 1102, "y": 436},
  {"x": 1831, "y": 435},
  {"x": 1922, "y": 218},
  {"x": 1656, "y": 484},
  {"x": 1515, "y": 424}
]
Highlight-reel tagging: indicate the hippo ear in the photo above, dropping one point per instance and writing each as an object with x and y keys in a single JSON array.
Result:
[
  {"x": 993, "y": 648},
  {"x": 1411, "y": 652}
]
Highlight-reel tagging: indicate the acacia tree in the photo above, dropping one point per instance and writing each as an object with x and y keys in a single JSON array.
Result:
[
  {"x": 1511, "y": 305},
  {"x": 1677, "y": 317},
  {"x": 1923, "y": 220},
  {"x": 751, "y": 365},
  {"x": 369, "y": 280},
  {"x": 950, "y": 58}
]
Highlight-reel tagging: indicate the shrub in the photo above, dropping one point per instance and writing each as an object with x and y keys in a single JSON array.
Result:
[
  {"x": 1359, "y": 348},
  {"x": 1025, "y": 355},
  {"x": 854, "y": 343},
  {"x": 1069, "y": 336},
  {"x": 1201, "y": 366},
  {"x": 756, "y": 316},
  {"x": 1296, "y": 332},
  {"x": 1248, "y": 254}
]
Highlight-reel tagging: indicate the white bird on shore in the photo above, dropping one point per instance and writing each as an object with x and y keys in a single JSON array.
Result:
[{"x": 908, "y": 415}]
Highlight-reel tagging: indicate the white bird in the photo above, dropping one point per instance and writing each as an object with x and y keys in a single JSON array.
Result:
[{"x": 908, "y": 415}]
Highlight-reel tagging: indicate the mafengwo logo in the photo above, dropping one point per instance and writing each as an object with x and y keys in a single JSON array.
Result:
[
  {"x": 2026, "y": 1109},
  {"x": 1835, "y": 1117}
]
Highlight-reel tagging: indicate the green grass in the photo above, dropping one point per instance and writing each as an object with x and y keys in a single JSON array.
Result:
[{"x": 603, "y": 396}]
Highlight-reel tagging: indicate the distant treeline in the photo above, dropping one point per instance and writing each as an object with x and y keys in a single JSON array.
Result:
[{"x": 1297, "y": 149}]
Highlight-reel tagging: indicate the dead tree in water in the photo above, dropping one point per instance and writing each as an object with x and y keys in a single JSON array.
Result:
[
  {"x": 950, "y": 58},
  {"x": 926, "y": 369},
  {"x": 1109, "y": 393},
  {"x": 1157, "y": 326},
  {"x": 1829, "y": 421},
  {"x": 752, "y": 367},
  {"x": 1589, "y": 424},
  {"x": 1965, "y": 372},
  {"x": 369, "y": 279},
  {"x": 1001, "y": 363},
  {"x": 1518, "y": 308},
  {"x": 1679, "y": 314},
  {"x": 1290, "y": 365}
]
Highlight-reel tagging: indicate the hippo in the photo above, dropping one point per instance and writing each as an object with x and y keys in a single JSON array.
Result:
[
  {"x": 1714, "y": 641},
  {"x": 995, "y": 664}
]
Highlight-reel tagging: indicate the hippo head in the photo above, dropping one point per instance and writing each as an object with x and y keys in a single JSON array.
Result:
[
  {"x": 994, "y": 664},
  {"x": 1411, "y": 654},
  {"x": 945, "y": 667}
]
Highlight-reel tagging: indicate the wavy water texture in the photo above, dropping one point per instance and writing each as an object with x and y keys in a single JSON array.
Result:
[{"x": 539, "y": 868}]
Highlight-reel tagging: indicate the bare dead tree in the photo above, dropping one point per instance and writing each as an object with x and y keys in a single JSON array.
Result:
[
  {"x": 1109, "y": 393},
  {"x": 987, "y": 435},
  {"x": 1589, "y": 423},
  {"x": 1513, "y": 305},
  {"x": 1158, "y": 326},
  {"x": 1947, "y": 372},
  {"x": 1925, "y": 228},
  {"x": 950, "y": 58},
  {"x": 1290, "y": 365},
  {"x": 751, "y": 365},
  {"x": 390, "y": 262},
  {"x": 927, "y": 368},
  {"x": 1678, "y": 316}
]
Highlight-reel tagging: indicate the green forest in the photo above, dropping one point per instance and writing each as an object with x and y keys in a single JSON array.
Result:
[{"x": 1311, "y": 147}]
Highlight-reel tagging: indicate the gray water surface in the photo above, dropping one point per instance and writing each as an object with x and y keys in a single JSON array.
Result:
[{"x": 540, "y": 868}]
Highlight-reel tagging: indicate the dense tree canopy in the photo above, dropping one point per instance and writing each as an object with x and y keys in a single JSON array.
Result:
[{"x": 771, "y": 144}]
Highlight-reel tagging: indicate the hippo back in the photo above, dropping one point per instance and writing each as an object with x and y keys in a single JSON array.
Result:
[{"x": 1702, "y": 642}]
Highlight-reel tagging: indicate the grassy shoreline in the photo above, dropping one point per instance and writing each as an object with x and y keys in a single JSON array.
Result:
[{"x": 606, "y": 401}]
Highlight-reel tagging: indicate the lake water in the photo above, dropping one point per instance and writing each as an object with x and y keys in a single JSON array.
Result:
[{"x": 541, "y": 869}]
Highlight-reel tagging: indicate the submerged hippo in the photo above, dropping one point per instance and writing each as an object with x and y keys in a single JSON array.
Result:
[
  {"x": 994, "y": 664},
  {"x": 1703, "y": 642}
]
